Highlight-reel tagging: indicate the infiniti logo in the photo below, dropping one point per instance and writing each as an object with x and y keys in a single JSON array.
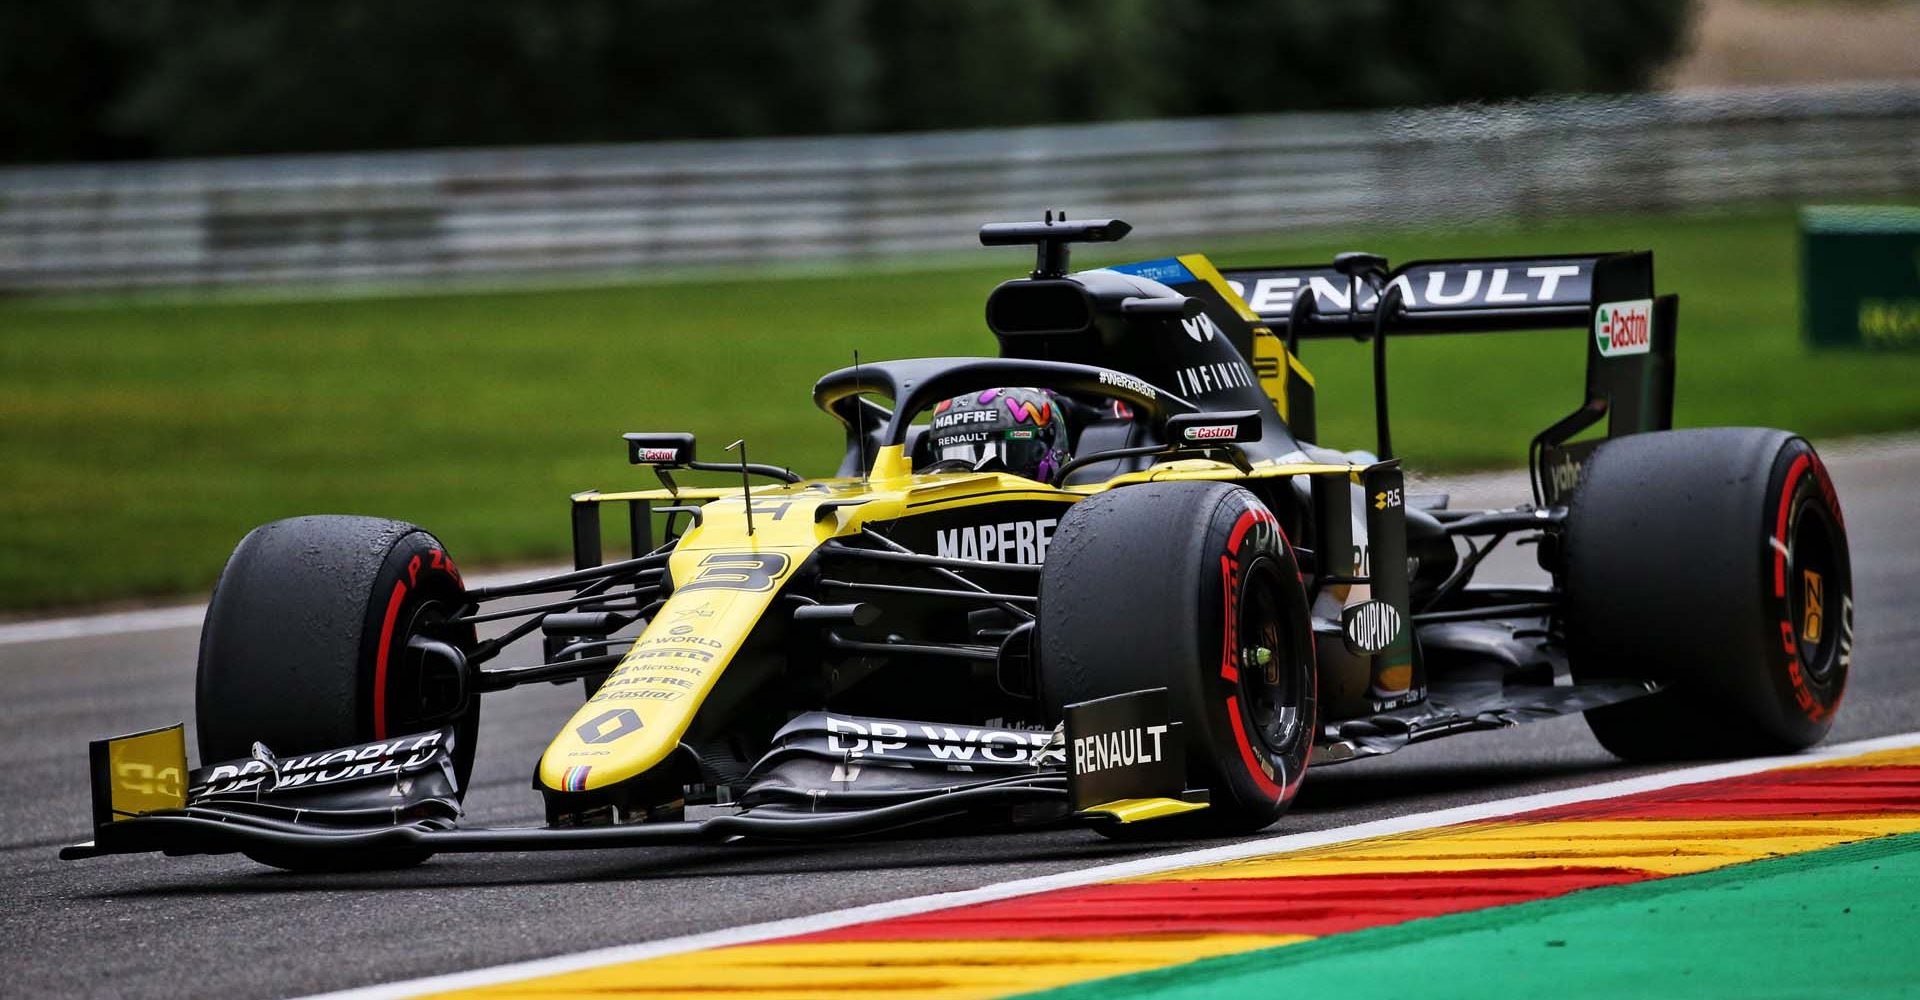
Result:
[{"x": 1200, "y": 329}]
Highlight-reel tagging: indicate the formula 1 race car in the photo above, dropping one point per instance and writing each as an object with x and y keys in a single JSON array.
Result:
[{"x": 1152, "y": 624}]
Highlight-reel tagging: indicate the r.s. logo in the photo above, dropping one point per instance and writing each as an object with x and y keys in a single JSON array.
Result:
[{"x": 749, "y": 571}]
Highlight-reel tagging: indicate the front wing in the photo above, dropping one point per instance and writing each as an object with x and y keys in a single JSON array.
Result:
[{"x": 403, "y": 795}]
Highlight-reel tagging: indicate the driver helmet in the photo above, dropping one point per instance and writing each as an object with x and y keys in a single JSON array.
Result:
[{"x": 1021, "y": 431}]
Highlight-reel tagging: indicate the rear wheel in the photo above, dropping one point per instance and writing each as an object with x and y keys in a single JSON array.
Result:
[
  {"x": 1191, "y": 587},
  {"x": 305, "y": 647},
  {"x": 1715, "y": 562}
]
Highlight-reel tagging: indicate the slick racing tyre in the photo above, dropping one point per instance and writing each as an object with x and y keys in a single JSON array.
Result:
[
  {"x": 1191, "y": 587},
  {"x": 1714, "y": 562},
  {"x": 305, "y": 648}
]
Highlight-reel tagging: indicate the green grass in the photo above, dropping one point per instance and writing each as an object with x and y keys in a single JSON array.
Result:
[{"x": 139, "y": 441}]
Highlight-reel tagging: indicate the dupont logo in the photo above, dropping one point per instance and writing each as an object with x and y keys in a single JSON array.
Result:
[
  {"x": 1623, "y": 327},
  {"x": 1371, "y": 626},
  {"x": 1213, "y": 432}
]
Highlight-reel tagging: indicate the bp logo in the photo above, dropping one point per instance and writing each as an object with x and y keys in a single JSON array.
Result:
[
  {"x": 608, "y": 726},
  {"x": 1623, "y": 327}
]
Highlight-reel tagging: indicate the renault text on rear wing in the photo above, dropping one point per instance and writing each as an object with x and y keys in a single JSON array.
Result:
[{"x": 1433, "y": 296}]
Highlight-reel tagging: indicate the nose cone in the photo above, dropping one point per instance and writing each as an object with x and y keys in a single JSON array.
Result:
[{"x": 725, "y": 580}]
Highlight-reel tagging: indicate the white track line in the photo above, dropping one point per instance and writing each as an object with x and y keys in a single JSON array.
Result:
[
  {"x": 147, "y": 620},
  {"x": 165, "y": 619},
  {"x": 1126, "y": 869}
]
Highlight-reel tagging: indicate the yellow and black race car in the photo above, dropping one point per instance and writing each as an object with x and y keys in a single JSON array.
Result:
[{"x": 1106, "y": 577}]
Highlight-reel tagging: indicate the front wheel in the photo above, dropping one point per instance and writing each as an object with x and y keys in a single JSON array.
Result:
[
  {"x": 1714, "y": 562},
  {"x": 1191, "y": 587},
  {"x": 305, "y": 648}
]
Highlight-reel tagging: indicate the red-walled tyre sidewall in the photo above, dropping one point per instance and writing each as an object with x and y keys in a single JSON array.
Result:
[
  {"x": 1144, "y": 587},
  {"x": 1714, "y": 562},
  {"x": 304, "y": 643}
]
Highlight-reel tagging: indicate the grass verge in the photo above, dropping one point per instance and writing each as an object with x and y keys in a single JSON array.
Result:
[{"x": 139, "y": 441}]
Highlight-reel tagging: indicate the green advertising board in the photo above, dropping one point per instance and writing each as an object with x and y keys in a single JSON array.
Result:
[{"x": 1860, "y": 276}]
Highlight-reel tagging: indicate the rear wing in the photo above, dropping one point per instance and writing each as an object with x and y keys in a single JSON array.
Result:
[
  {"x": 1630, "y": 343},
  {"x": 1498, "y": 293}
]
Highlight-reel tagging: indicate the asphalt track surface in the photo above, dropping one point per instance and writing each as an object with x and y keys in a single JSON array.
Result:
[{"x": 148, "y": 926}]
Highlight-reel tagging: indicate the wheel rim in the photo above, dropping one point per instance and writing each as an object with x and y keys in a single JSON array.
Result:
[
  {"x": 424, "y": 692},
  {"x": 1815, "y": 590},
  {"x": 1270, "y": 689}
]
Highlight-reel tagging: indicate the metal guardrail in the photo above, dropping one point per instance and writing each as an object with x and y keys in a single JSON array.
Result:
[{"x": 528, "y": 212}]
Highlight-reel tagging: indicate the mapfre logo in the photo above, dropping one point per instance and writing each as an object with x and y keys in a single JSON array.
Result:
[
  {"x": 1623, "y": 327},
  {"x": 1023, "y": 542}
]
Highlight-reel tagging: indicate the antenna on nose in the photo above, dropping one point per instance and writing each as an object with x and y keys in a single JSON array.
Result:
[{"x": 746, "y": 488}]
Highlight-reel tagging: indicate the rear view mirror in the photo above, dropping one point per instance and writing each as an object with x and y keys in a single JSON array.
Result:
[
  {"x": 1200, "y": 430},
  {"x": 669, "y": 450}
]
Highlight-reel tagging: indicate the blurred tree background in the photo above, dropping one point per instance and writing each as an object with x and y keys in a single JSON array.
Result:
[{"x": 116, "y": 79}]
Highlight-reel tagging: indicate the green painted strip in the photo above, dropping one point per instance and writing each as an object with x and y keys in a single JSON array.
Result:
[{"x": 1842, "y": 922}]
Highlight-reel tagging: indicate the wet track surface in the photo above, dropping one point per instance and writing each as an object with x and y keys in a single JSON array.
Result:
[{"x": 149, "y": 926}]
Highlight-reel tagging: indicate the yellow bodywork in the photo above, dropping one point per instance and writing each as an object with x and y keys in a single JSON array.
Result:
[
  {"x": 144, "y": 772},
  {"x": 1138, "y": 810},
  {"x": 725, "y": 580}
]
